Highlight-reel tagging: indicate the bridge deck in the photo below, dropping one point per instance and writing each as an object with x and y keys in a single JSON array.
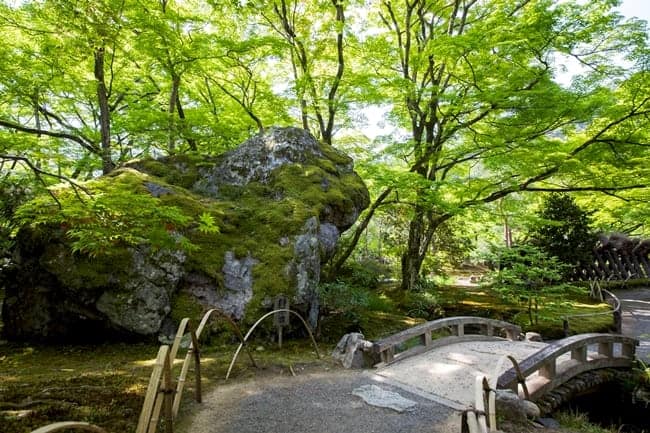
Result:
[{"x": 447, "y": 374}]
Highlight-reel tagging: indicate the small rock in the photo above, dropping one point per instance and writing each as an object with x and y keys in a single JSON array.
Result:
[
  {"x": 531, "y": 409},
  {"x": 349, "y": 350},
  {"x": 548, "y": 422},
  {"x": 533, "y": 336},
  {"x": 260, "y": 348},
  {"x": 515, "y": 409}
]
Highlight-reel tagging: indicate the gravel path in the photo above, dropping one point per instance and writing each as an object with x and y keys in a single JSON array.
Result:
[
  {"x": 314, "y": 403},
  {"x": 636, "y": 318}
]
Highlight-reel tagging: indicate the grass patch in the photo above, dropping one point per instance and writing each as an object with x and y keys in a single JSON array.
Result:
[
  {"x": 103, "y": 385},
  {"x": 579, "y": 423},
  {"x": 449, "y": 301}
]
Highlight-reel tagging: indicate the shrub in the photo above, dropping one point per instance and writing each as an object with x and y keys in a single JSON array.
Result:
[
  {"x": 565, "y": 232},
  {"x": 524, "y": 273},
  {"x": 366, "y": 273}
]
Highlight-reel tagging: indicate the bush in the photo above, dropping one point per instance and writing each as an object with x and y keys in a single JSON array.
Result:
[
  {"x": 339, "y": 298},
  {"x": 425, "y": 305},
  {"x": 366, "y": 273},
  {"x": 524, "y": 273},
  {"x": 565, "y": 232}
]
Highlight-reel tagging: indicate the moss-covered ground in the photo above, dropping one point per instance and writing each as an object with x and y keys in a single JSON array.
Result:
[{"x": 106, "y": 384}]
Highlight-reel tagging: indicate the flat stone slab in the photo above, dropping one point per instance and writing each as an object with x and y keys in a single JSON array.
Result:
[
  {"x": 376, "y": 396},
  {"x": 447, "y": 374}
]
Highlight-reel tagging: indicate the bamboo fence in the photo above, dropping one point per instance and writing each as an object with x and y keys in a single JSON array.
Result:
[{"x": 163, "y": 397}]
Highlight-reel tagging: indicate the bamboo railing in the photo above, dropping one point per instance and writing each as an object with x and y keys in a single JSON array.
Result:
[
  {"x": 69, "y": 425},
  {"x": 163, "y": 397},
  {"x": 603, "y": 295}
]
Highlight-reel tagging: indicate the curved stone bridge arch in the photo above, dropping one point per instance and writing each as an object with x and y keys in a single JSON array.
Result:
[
  {"x": 585, "y": 382},
  {"x": 557, "y": 363}
]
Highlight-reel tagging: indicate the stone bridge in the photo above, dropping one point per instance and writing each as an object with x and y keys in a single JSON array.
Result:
[{"x": 444, "y": 369}]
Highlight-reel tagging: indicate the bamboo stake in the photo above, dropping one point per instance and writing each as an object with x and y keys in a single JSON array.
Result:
[
  {"x": 197, "y": 367},
  {"x": 489, "y": 396},
  {"x": 178, "y": 338},
  {"x": 152, "y": 390},
  {"x": 168, "y": 396},
  {"x": 155, "y": 415},
  {"x": 472, "y": 423},
  {"x": 480, "y": 404}
]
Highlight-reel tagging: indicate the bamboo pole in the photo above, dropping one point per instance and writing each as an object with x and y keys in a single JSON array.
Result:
[
  {"x": 180, "y": 333},
  {"x": 489, "y": 396},
  {"x": 260, "y": 320},
  {"x": 69, "y": 425},
  {"x": 152, "y": 390},
  {"x": 197, "y": 367},
  {"x": 168, "y": 395},
  {"x": 479, "y": 402},
  {"x": 234, "y": 326}
]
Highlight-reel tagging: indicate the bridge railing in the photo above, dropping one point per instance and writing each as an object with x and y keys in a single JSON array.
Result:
[
  {"x": 548, "y": 368},
  {"x": 387, "y": 350}
]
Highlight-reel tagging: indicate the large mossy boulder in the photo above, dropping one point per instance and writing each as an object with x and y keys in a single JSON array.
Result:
[{"x": 168, "y": 238}]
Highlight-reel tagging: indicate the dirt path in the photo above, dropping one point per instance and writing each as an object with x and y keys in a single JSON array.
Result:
[
  {"x": 314, "y": 403},
  {"x": 636, "y": 318}
]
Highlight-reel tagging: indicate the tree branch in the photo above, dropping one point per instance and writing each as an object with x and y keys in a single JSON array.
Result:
[
  {"x": 91, "y": 147},
  {"x": 39, "y": 173}
]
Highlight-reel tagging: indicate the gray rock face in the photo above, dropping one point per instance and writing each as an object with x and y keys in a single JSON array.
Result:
[
  {"x": 145, "y": 296},
  {"x": 238, "y": 281},
  {"x": 132, "y": 298},
  {"x": 328, "y": 238},
  {"x": 255, "y": 159},
  {"x": 306, "y": 268}
]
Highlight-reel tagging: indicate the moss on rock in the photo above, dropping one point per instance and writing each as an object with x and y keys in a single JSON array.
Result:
[{"x": 162, "y": 205}]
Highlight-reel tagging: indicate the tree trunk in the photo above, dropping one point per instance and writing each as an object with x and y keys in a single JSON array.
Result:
[
  {"x": 173, "y": 97},
  {"x": 181, "y": 116},
  {"x": 412, "y": 258},
  {"x": 104, "y": 112},
  {"x": 340, "y": 259}
]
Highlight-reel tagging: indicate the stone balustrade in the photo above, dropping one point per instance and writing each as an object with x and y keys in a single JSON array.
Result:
[
  {"x": 560, "y": 361},
  {"x": 387, "y": 350}
]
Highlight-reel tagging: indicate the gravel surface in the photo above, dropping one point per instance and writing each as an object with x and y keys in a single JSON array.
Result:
[
  {"x": 314, "y": 403},
  {"x": 636, "y": 318}
]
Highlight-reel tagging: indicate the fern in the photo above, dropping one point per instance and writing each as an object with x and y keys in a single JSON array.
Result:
[{"x": 111, "y": 219}]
